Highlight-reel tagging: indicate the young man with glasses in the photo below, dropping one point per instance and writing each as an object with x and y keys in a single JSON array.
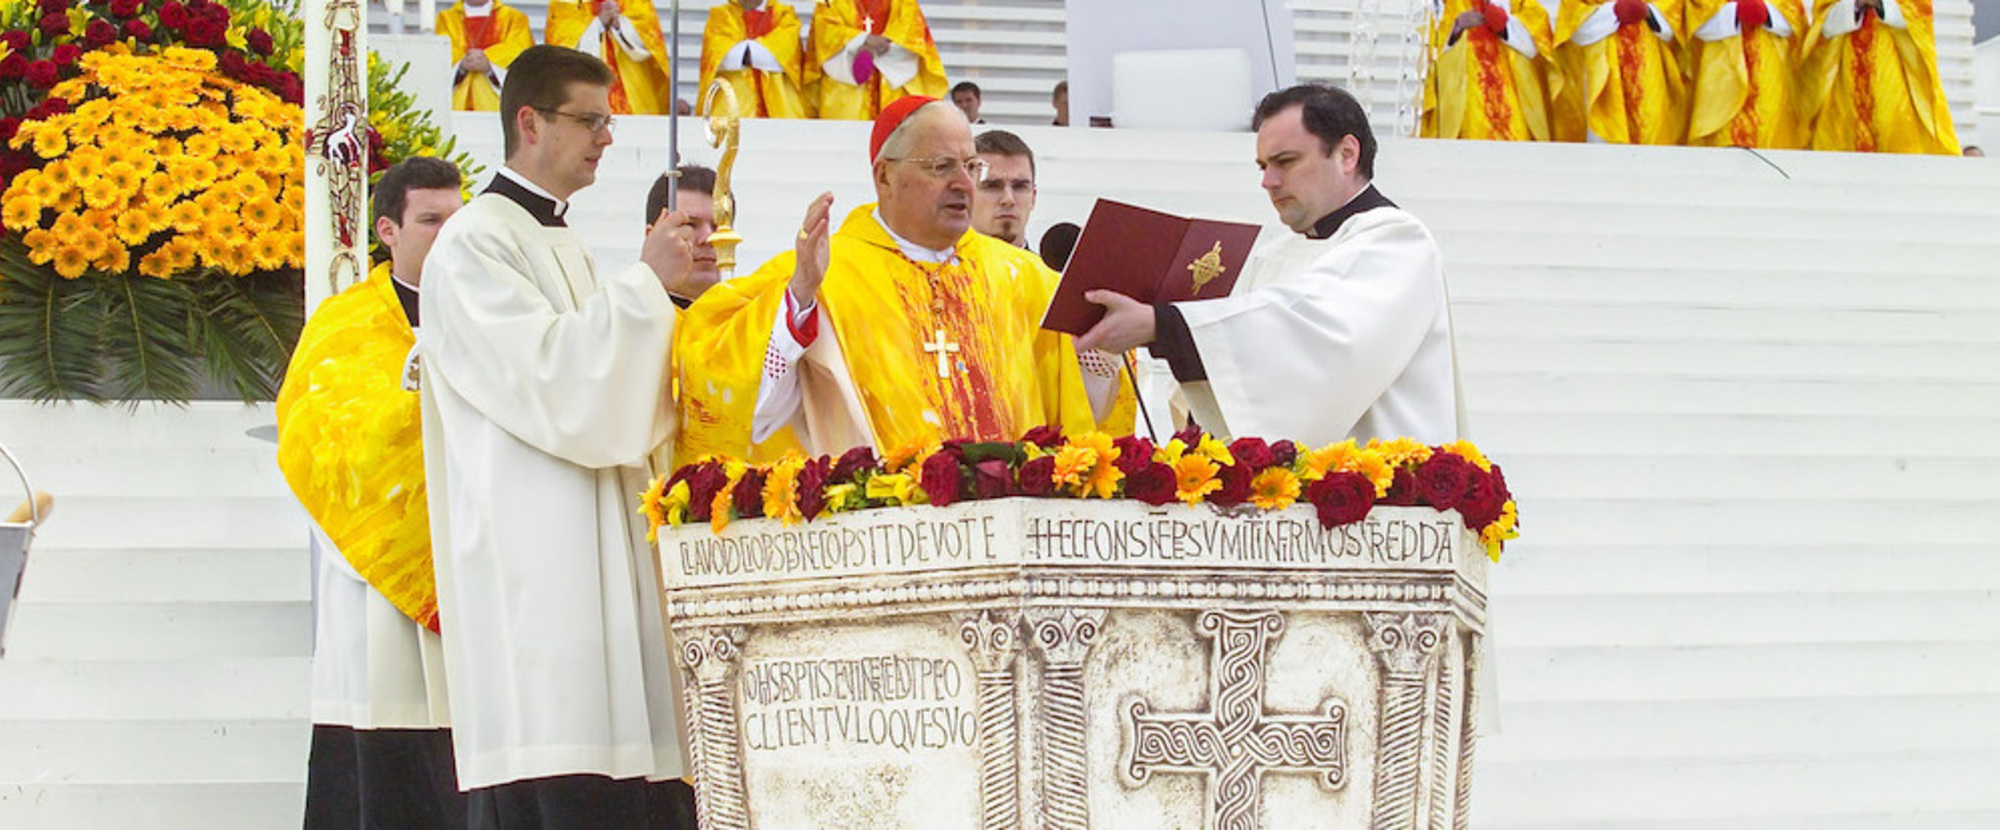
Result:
[
  {"x": 903, "y": 328},
  {"x": 543, "y": 398},
  {"x": 1006, "y": 194}
]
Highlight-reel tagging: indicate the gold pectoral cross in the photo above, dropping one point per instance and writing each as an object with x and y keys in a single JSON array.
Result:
[
  {"x": 942, "y": 348},
  {"x": 1207, "y": 267}
]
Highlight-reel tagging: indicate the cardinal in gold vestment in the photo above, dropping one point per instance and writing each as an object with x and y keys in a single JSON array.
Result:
[
  {"x": 852, "y": 75},
  {"x": 1492, "y": 75},
  {"x": 756, "y": 50},
  {"x": 1745, "y": 54},
  {"x": 1870, "y": 79},
  {"x": 1621, "y": 62},
  {"x": 349, "y": 442},
  {"x": 500, "y": 34},
  {"x": 934, "y": 327},
  {"x": 626, "y": 34}
]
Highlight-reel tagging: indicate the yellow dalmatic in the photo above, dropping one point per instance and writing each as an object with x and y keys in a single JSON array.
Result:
[
  {"x": 350, "y": 445},
  {"x": 1743, "y": 93},
  {"x": 1622, "y": 79},
  {"x": 907, "y": 353},
  {"x": 1486, "y": 84},
  {"x": 639, "y": 84},
  {"x": 912, "y": 66},
  {"x": 502, "y": 35},
  {"x": 1871, "y": 84},
  {"x": 759, "y": 93}
]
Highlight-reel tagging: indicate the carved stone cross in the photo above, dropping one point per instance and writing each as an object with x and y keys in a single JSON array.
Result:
[
  {"x": 943, "y": 349},
  {"x": 1237, "y": 742}
]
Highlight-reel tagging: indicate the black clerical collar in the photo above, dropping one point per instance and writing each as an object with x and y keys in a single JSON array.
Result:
[
  {"x": 547, "y": 210},
  {"x": 407, "y": 295},
  {"x": 1368, "y": 199}
]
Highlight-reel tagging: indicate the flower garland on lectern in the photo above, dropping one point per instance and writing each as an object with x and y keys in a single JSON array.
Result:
[
  {"x": 1342, "y": 481},
  {"x": 152, "y": 194}
]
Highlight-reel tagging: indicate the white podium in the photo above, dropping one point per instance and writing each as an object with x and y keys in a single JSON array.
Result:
[{"x": 1062, "y": 664}]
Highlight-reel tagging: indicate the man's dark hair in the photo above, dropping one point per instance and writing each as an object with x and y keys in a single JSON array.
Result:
[
  {"x": 392, "y": 191},
  {"x": 1328, "y": 112},
  {"x": 1003, "y": 143},
  {"x": 967, "y": 86},
  {"x": 540, "y": 78},
  {"x": 694, "y": 179}
]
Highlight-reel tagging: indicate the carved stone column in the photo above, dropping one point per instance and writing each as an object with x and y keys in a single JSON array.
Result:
[
  {"x": 1462, "y": 800},
  {"x": 1405, "y": 645},
  {"x": 994, "y": 641},
  {"x": 1444, "y": 732},
  {"x": 709, "y": 655},
  {"x": 1064, "y": 637}
]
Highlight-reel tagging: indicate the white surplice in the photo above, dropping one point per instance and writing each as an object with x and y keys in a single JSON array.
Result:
[
  {"x": 543, "y": 395},
  {"x": 1327, "y": 339},
  {"x": 373, "y": 667}
]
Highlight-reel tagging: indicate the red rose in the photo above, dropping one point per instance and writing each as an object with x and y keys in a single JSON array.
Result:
[
  {"x": 1482, "y": 502},
  {"x": 66, "y": 54},
  {"x": 1152, "y": 484},
  {"x": 1038, "y": 476},
  {"x": 1441, "y": 480},
  {"x": 1189, "y": 435},
  {"x": 138, "y": 29},
  {"x": 748, "y": 497},
  {"x": 260, "y": 75},
  {"x": 1403, "y": 490},
  {"x": 707, "y": 480},
  {"x": 13, "y": 66},
  {"x": 232, "y": 64},
  {"x": 17, "y": 40},
  {"x": 992, "y": 479},
  {"x": 53, "y": 24},
  {"x": 812, "y": 486},
  {"x": 173, "y": 15},
  {"x": 291, "y": 89},
  {"x": 1235, "y": 486},
  {"x": 125, "y": 8},
  {"x": 54, "y": 6},
  {"x": 1044, "y": 436},
  {"x": 42, "y": 74},
  {"x": 48, "y": 107},
  {"x": 940, "y": 479},
  {"x": 205, "y": 33},
  {"x": 259, "y": 41},
  {"x": 1283, "y": 453},
  {"x": 9, "y": 126},
  {"x": 99, "y": 33},
  {"x": 1341, "y": 498},
  {"x": 1252, "y": 454},
  {"x": 212, "y": 11},
  {"x": 852, "y": 463},
  {"x": 1134, "y": 453}
]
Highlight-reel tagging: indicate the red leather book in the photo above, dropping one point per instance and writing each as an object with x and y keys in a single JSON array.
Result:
[{"x": 1150, "y": 256}]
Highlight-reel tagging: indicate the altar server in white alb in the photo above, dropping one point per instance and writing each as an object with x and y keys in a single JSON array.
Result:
[
  {"x": 1340, "y": 332},
  {"x": 543, "y": 394}
]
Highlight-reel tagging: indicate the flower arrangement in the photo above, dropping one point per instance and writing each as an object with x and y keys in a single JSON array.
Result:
[
  {"x": 1342, "y": 481},
  {"x": 152, "y": 160}
]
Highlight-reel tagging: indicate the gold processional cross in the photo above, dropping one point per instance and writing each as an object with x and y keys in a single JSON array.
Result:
[{"x": 942, "y": 348}]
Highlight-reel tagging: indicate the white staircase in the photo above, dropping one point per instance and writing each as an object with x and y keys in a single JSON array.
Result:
[{"x": 1750, "y": 419}]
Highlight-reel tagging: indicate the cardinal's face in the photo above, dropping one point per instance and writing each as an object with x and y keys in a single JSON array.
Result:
[{"x": 923, "y": 199}]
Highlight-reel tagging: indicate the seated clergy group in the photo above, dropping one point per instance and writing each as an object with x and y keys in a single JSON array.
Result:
[
  {"x": 501, "y": 661},
  {"x": 1856, "y": 75},
  {"x": 857, "y": 56}
]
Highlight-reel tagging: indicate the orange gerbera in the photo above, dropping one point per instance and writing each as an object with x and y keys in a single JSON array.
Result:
[
  {"x": 1194, "y": 477},
  {"x": 70, "y": 262},
  {"x": 1274, "y": 489},
  {"x": 1101, "y": 478}
]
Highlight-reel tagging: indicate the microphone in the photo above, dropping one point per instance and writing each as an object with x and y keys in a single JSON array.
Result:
[{"x": 1058, "y": 242}]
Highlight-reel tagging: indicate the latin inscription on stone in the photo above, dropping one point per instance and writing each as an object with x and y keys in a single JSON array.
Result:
[
  {"x": 1276, "y": 541},
  {"x": 916, "y": 543},
  {"x": 901, "y": 702}
]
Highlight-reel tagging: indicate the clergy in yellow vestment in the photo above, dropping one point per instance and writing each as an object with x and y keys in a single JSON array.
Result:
[
  {"x": 625, "y": 34},
  {"x": 494, "y": 34},
  {"x": 865, "y": 54},
  {"x": 919, "y": 329},
  {"x": 349, "y": 443},
  {"x": 754, "y": 46},
  {"x": 1869, "y": 82},
  {"x": 1621, "y": 61},
  {"x": 1744, "y": 54},
  {"x": 1492, "y": 72}
]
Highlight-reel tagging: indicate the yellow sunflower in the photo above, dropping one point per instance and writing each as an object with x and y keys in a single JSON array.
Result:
[
  {"x": 157, "y": 264},
  {"x": 70, "y": 262},
  {"x": 21, "y": 212},
  {"x": 1274, "y": 489},
  {"x": 138, "y": 222},
  {"x": 124, "y": 176},
  {"x": 201, "y": 146},
  {"x": 102, "y": 193},
  {"x": 1194, "y": 478}
]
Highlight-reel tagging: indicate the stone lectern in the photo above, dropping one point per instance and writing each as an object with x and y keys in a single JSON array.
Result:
[{"x": 1059, "y": 664}]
